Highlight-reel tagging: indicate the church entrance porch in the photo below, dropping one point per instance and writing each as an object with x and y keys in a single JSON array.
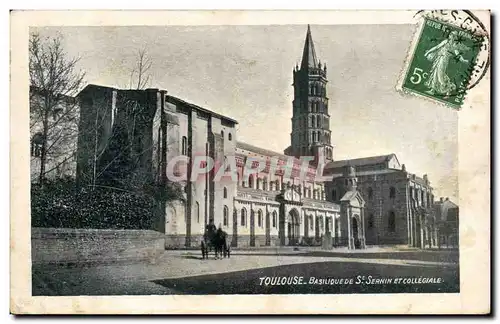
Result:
[
  {"x": 355, "y": 234},
  {"x": 356, "y": 230}
]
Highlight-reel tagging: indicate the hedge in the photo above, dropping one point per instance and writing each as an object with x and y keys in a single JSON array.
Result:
[{"x": 62, "y": 204}]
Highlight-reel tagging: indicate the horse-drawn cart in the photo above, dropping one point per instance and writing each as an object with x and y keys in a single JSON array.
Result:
[{"x": 215, "y": 240}]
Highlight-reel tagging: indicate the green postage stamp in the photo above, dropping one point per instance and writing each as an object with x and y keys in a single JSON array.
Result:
[{"x": 443, "y": 62}]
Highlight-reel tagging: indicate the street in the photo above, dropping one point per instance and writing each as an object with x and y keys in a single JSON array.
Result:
[{"x": 280, "y": 271}]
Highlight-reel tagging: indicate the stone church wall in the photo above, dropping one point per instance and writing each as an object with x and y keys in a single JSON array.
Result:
[{"x": 381, "y": 204}]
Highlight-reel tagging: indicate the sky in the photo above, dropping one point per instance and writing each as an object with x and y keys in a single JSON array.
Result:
[{"x": 245, "y": 72}]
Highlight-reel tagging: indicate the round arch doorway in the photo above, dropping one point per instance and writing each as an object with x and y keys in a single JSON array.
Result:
[
  {"x": 355, "y": 233},
  {"x": 293, "y": 227}
]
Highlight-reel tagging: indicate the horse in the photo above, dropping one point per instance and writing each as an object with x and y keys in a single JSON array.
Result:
[{"x": 216, "y": 241}]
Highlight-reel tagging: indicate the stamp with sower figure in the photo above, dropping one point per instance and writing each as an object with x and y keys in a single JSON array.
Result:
[{"x": 445, "y": 61}]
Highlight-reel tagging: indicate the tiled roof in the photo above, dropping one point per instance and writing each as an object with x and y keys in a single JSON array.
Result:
[
  {"x": 195, "y": 107},
  {"x": 336, "y": 174},
  {"x": 360, "y": 161},
  {"x": 258, "y": 150},
  {"x": 173, "y": 99},
  {"x": 348, "y": 196}
]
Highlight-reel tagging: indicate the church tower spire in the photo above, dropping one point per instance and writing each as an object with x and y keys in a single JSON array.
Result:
[
  {"x": 309, "y": 54},
  {"x": 311, "y": 133}
]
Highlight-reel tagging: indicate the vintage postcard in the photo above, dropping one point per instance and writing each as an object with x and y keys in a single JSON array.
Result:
[{"x": 250, "y": 162}]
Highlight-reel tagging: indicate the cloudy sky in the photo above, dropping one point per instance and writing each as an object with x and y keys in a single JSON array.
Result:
[{"x": 245, "y": 72}]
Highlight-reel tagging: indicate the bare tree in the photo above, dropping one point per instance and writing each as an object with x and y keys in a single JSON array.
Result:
[
  {"x": 54, "y": 79},
  {"x": 141, "y": 70}
]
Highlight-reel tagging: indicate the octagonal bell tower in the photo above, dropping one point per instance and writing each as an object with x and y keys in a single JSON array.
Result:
[{"x": 311, "y": 133}]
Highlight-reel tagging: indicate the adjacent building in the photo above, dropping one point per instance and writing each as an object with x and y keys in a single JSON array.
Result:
[{"x": 447, "y": 222}]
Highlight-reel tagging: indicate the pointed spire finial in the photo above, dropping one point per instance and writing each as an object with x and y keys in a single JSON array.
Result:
[{"x": 309, "y": 54}]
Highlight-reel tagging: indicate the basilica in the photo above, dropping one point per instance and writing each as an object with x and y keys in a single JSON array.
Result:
[{"x": 355, "y": 203}]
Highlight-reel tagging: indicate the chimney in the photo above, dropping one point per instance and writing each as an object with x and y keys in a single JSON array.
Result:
[
  {"x": 426, "y": 179},
  {"x": 403, "y": 167},
  {"x": 441, "y": 199}
]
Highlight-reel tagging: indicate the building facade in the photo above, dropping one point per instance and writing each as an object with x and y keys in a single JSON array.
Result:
[
  {"x": 447, "y": 221},
  {"x": 398, "y": 204},
  {"x": 353, "y": 203}
]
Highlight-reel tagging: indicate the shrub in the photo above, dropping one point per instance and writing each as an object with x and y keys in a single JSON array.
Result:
[{"x": 61, "y": 203}]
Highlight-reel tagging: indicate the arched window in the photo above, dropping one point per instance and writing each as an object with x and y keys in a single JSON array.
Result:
[
  {"x": 229, "y": 136},
  {"x": 314, "y": 136},
  {"x": 371, "y": 221},
  {"x": 184, "y": 145},
  {"x": 243, "y": 217},
  {"x": 197, "y": 213},
  {"x": 259, "y": 218},
  {"x": 226, "y": 216},
  {"x": 277, "y": 185},
  {"x": 222, "y": 134},
  {"x": 313, "y": 121},
  {"x": 392, "y": 193},
  {"x": 36, "y": 145},
  {"x": 275, "y": 216},
  {"x": 264, "y": 184},
  {"x": 225, "y": 192},
  {"x": 370, "y": 193},
  {"x": 318, "y": 122},
  {"x": 311, "y": 225},
  {"x": 318, "y": 135},
  {"x": 391, "y": 223}
]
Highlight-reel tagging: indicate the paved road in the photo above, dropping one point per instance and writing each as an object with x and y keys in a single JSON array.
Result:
[{"x": 184, "y": 273}]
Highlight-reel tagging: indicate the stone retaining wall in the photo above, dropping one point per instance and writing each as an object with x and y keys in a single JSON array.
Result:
[{"x": 99, "y": 246}]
